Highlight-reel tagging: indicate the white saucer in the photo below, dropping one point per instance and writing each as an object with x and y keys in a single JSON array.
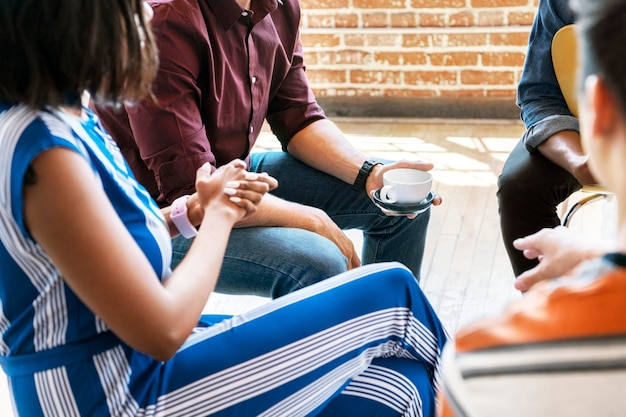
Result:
[{"x": 397, "y": 208}]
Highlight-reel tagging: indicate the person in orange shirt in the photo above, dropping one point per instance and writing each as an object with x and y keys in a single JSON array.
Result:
[{"x": 561, "y": 349}]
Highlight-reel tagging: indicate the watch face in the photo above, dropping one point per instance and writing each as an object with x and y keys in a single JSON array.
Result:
[{"x": 371, "y": 164}]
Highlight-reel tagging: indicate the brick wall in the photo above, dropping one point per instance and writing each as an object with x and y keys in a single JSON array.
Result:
[{"x": 442, "y": 58}]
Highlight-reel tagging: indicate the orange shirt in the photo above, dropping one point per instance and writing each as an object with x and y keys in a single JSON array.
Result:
[{"x": 532, "y": 338}]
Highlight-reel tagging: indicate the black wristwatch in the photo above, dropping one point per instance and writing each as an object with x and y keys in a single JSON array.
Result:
[{"x": 364, "y": 172}]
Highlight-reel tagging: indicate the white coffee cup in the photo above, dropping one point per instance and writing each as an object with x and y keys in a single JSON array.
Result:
[{"x": 405, "y": 186}]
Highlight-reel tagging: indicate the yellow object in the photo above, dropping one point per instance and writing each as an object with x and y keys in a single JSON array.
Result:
[
  {"x": 565, "y": 61},
  {"x": 566, "y": 64}
]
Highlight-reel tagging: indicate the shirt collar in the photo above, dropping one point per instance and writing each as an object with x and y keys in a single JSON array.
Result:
[{"x": 228, "y": 11}]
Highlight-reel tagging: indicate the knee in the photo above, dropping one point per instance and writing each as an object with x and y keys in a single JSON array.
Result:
[
  {"x": 510, "y": 182},
  {"x": 518, "y": 187},
  {"x": 322, "y": 260},
  {"x": 312, "y": 258}
]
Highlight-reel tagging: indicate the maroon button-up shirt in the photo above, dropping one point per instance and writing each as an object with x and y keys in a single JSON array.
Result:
[{"x": 223, "y": 70}]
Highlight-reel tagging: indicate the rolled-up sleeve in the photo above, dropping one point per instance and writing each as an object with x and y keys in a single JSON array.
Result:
[
  {"x": 545, "y": 128},
  {"x": 294, "y": 106}
]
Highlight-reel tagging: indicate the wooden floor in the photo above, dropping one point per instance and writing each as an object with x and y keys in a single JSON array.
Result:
[{"x": 466, "y": 273}]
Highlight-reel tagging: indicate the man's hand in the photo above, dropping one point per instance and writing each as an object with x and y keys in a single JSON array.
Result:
[
  {"x": 559, "y": 252},
  {"x": 319, "y": 222},
  {"x": 375, "y": 180}
]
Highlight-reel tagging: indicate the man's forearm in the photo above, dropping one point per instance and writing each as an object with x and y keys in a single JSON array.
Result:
[
  {"x": 272, "y": 212},
  {"x": 323, "y": 146},
  {"x": 565, "y": 150}
]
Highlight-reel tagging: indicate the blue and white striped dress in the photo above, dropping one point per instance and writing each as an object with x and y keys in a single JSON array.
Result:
[{"x": 363, "y": 343}]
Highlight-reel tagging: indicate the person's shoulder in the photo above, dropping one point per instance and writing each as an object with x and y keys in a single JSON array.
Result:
[
  {"x": 178, "y": 7},
  {"x": 22, "y": 118},
  {"x": 168, "y": 13},
  {"x": 173, "y": 3},
  {"x": 560, "y": 9},
  {"x": 26, "y": 132}
]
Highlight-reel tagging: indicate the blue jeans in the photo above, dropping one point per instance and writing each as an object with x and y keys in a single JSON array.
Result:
[
  {"x": 538, "y": 93},
  {"x": 273, "y": 261}
]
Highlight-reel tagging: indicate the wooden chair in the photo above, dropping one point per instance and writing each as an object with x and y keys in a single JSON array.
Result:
[{"x": 565, "y": 62}]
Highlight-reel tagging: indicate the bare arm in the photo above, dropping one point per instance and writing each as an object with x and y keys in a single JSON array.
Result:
[
  {"x": 565, "y": 150},
  {"x": 72, "y": 219},
  {"x": 322, "y": 145}
]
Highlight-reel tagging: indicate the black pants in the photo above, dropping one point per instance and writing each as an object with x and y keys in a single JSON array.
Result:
[{"x": 530, "y": 188}]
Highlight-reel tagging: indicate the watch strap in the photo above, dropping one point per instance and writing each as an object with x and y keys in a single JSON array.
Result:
[
  {"x": 364, "y": 173},
  {"x": 179, "y": 217}
]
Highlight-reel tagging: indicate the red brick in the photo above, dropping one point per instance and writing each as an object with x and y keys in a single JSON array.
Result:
[
  {"x": 320, "y": 40},
  {"x": 357, "y": 39},
  {"x": 397, "y": 55},
  {"x": 438, "y": 4},
  {"x": 320, "y": 21},
  {"x": 344, "y": 57},
  {"x": 454, "y": 58},
  {"x": 346, "y": 20},
  {"x": 323, "y": 4},
  {"x": 461, "y": 19},
  {"x": 378, "y": 77},
  {"x": 322, "y": 76},
  {"x": 430, "y": 78},
  {"x": 466, "y": 39},
  {"x": 401, "y": 58},
  {"x": 382, "y": 39},
  {"x": 498, "y": 3},
  {"x": 412, "y": 40},
  {"x": 378, "y": 4},
  {"x": 379, "y": 39},
  {"x": 403, "y": 20},
  {"x": 432, "y": 19},
  {"x": 311, "y": 59},
  {"x": 474, "y": 77},
  {"x": 491, "y": 18},
  {"x": 375, "y": 20},
  {"x": 509, "y": 39},
  {"x": 506, "y": 59},
  {"x": 520, "y": 18}
]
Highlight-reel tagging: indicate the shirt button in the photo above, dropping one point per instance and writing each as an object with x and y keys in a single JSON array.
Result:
[
  {"x": 244, "y": 13},
  {"x": 251, "y": 129},
  {"x": 253, "y": 80}
]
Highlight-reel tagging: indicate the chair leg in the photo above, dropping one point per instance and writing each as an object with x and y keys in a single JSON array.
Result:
[{"x": 581, "y": 203}]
